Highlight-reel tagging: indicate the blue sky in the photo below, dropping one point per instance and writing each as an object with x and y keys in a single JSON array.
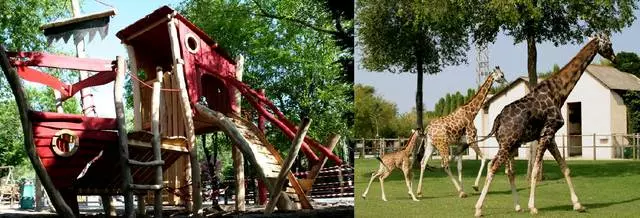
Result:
[
  {"x": 127, "y": 12},
  {"x": 512, "y": 59}
]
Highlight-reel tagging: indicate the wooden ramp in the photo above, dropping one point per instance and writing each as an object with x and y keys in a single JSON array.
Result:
[{"x": 256, "y": 149}]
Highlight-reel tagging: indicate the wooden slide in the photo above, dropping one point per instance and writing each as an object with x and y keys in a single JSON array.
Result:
[{"x": 257, "y": 150}]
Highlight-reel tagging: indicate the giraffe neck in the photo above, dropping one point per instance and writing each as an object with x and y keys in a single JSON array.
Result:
[
  {"x": 473, "y": 106},
  {"x": 411, "y": 144},
  {"x": 566, "y": 78}
]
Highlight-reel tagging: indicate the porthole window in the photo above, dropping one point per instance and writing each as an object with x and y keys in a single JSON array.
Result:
[
  {"x": 192, "y": 43},
  {"x": 65, "y": 143}
]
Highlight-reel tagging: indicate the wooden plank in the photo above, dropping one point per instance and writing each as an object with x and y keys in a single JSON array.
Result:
[
  {"x": 188, "y": 117},
  {"x": 42, "y": 59},
  {"x": 77, "y": 19}
]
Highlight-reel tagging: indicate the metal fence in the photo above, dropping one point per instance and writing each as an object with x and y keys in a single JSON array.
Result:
[{"x": 589, "y": 146}]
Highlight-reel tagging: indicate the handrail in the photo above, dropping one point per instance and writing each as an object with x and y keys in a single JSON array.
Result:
[{"x": 281, "y": 122}]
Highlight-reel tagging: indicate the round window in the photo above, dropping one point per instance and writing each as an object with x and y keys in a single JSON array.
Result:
[
  {"x": 65, "y": 143},
  {"x": 192, "y": 43}
]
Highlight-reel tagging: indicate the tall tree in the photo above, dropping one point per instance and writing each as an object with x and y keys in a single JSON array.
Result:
[
  {"x": 413, "y": 36},
  {"x": 630, "y": 62},
  {"x": 373, "y": 114},
  {"x": 559, "y": 22}
]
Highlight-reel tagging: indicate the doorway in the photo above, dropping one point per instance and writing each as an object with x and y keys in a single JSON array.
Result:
[{"x": 574, "y": 128}]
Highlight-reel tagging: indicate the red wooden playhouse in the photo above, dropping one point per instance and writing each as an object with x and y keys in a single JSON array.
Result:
[{"x": 183, "y": 84}]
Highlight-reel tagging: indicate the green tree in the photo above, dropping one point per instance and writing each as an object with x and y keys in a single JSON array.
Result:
[
  {"x": 413, "y": 36},
  {"x": 560, "y": 22},
  {"x": 20, "y": 31},
  {"x": 373, "y": 114},
  {"x": 630, "y": 62},
  {"x": 285, "y": 55},
  {"x": 448, "y": 107}
]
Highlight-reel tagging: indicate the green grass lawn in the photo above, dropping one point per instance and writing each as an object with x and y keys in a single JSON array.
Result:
[{"x": 605, "y": 188}]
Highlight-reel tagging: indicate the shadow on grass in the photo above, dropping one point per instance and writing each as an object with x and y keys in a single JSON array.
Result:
[{"x": 569, "y": 207}]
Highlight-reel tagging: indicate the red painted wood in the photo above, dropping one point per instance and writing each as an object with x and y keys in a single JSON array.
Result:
[
  {"x": 41, "y": 59},
  {"x": 67, "y": 91},
  {"x": 72, "y": 121}
]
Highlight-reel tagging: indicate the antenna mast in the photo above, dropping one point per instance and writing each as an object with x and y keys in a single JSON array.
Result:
[{"x": 482, "y": 58}]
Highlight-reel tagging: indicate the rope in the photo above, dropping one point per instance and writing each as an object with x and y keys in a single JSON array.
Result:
[
  {"x": 105, "y": 4},
  {"x": 149, "y": 86}
]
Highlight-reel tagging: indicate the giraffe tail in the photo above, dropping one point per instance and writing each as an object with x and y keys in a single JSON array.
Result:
[{"x": 385, "y": 166}]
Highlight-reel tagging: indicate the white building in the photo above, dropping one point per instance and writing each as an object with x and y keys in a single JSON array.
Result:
[{"x": 593, "y": 107}]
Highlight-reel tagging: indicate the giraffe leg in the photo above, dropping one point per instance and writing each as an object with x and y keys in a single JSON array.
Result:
[
  {"x": 565, "y": 170},
  {"x": 381, "y": 178},
  {"x": 534, "y": 174},
  {"x": 445, "y": 161},
  {"x": 428, "y": 151},
  {"x": 512, "y": 182},
  {"x": 493, "y": 167},
  {"x": 373, "y": 176},
  {"x": 471, "y": 137},
  {"x": 406, "y": 169}
]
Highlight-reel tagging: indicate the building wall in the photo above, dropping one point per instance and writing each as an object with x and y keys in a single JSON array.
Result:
[{"x": 595, "y": 101}]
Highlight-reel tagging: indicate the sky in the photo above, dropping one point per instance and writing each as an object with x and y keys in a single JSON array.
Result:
[
  {"x": 512, "y": 59},
  {"x": 127, "y": 12}
]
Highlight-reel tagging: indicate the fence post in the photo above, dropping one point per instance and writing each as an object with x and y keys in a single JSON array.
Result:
[
  {"x": 635, "y": 146},
  {"x": 594, "y": 146},
  {"x": 364, "y": 145}
]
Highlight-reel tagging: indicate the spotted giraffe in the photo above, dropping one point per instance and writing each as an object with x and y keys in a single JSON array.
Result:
[
  {"x": 537, "y": 116},
  {"x": 447, "y": 130},
  {"x": 400, "y": 159}
]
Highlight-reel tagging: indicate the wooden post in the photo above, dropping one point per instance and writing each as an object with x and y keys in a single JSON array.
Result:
[
  {"x": 137, "y": 114},
  {"x": 157, "y": 153},
  {"x": 142, "y": 206},
  {"x": 361, "y": 156},
  {"x": 58, "y": 202},
  {"x": 238, "y": 158},
  {"x": 178, "y": 63},
  {"x": 262, "y": 187},
  {"x": 594, "y": 146},
  {"x": 118, "y": 93},
  {"x": 315, "y": 169},
  {"x": 286, "y": 166}
]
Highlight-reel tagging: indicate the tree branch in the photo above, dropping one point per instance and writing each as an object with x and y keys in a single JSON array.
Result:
[{"x": 264, "y": 13}]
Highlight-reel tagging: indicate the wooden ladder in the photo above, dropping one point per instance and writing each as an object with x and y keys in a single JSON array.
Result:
[{"x": 157, "y": 161}]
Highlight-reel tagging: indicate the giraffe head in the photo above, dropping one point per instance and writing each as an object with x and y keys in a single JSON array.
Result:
[
  {"x": 604, "y": 46},
  {"x": 498, "y": 75}
]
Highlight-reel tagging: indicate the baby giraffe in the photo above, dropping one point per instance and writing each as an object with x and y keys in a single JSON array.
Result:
[{"x": 402, "y": 159}]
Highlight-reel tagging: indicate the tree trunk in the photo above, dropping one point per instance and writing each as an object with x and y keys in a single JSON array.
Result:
[{"x": 532, "y": 58}]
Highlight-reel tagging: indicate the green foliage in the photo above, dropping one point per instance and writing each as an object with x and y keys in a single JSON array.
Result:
[
  {"x": 450, "y": 103},
  {"x": 392, "y": 33},
  {"x": 559, "y": 22},
  {"x": 373, "y": 114},
  {"x": 630, "y": 62},
  {"x": 287, "y": 54}
]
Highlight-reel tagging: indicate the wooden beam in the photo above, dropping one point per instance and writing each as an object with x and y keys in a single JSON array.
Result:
[
  {"x": 196, "y": 194},
  {"x": 286, "y": 167},
  {"x": 77, "y": 19},
  {"x": 58, "y": 202},
  {"x": 315, "y": 169},
  {"x": 236, "y": 155},
  {"x": 118, "y": 94},
  {"x": 155, "y": 141},
  {"x": 42, "y": 59}
]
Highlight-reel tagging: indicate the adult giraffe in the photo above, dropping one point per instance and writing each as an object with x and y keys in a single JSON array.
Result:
[
  {"x": 447, "y": 130},
  {"x": 537, "y": 116}
]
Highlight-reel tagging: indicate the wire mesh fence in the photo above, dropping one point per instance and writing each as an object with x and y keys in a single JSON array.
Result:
[{"x": 586, "y": 146}]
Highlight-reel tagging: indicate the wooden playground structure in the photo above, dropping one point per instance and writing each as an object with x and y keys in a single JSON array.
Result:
[{"x": 183, "y": 84}]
